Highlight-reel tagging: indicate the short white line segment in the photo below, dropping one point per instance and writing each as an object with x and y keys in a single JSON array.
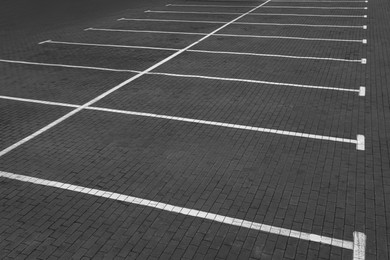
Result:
[{"x": 358, "y": 245}]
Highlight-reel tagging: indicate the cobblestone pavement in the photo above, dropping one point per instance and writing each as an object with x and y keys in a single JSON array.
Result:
[{"x": 195, "y": 129}]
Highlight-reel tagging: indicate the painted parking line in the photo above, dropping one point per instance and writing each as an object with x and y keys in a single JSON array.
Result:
[
  {"x": 66, "y": 66},
  {"x": 359, "y": 141},
  {"x": 358, "y": 245},
  {"x": 108, "y": 92},
  {"x": 252, "y": 14},
  {"x": 362, "y": 61},
  {"x": 315, "y": 7},
  {"x": 245, "y": 23},
  {"x": 361, "y": 91},
  {"x": 364, "y": 41},
  {"x": 321, "y": 1},
  {"x": 108, "y": 45},
  {"x": 233, "y": 6},
  {"x": 267, "y": 6}
]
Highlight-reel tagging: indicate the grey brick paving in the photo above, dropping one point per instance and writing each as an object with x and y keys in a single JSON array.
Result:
[{"x": 313, "y": 186}]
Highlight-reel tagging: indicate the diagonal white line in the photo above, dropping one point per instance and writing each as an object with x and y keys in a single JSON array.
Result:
[{"x": 89, "y": 103}]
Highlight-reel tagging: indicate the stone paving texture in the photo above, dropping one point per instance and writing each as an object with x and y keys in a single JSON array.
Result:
[{"x": 309, "y": 185}]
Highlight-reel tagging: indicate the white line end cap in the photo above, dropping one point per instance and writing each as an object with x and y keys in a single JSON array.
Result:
[
  {"x": 362, "y": 91},
  {"x": 364, "y": 41},
  {"x": 360, "y": 145},
  {"x": 359, "y": 246}
]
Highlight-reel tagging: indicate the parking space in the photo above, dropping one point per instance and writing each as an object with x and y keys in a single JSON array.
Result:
[
  {"x": 111, "y": 228},
  {"x": 195, "y": 130},
  {"x": 93, "y": 56},
  {"x": 322, "y": 49},
  {"x": 297, "y": 31},
  {"x": 270, "y": 69},
  {"x": 22, "y": 119},
  {"x": 57, "y": 84},
  {"x": 300, "y": 19},
  {"x": 222, "y": 101},
  {"x": 157, "y": 26}
]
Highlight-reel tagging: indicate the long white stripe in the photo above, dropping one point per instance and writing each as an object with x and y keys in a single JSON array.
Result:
[
  {"x": 361, "y": 90},
  {"x": 274, "y": 55},
  {"x": 66, "y": 66},
  {"x": 318, "y": 2},
  {"x": 314, "y": 15},
  {"x": 278, "y": 14},
  {"x": 181, "y": 210},
  {"x": 314, "y": 7},
  {"x": 43, "y": 102},
  {"x": 109, "y": 45},
  {"x": 246, "y": 23},
  {"x": 206, "y": 51},
  {"x": 234, "y": 6},
  {"x": 196, "y": 121},
  {"x": 142, "y": 31},
  {"x": 61, "y": 119},
  {"x": 167, "y": 20},
  {"x": 289, "y": 38},
  {"x": 228, "y": 35}
]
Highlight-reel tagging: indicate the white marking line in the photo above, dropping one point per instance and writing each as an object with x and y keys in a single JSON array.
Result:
[
  {"x": 66, "y": 116},
  {"x": 361, "y": 90},
  {"x": 110, "y": 45},
  {"x": 359, "y": 246},
  {"x": 359, "y": 142},
  {"x": 43, "y": 102},
  {"x": 229, "y": 35},
  {"x": 166, "y": 20},
  {"x": 363, "y": 61},
  {"x": 142, "y": 31},
  {"x": 314, "y": 7},
  {"x": 247, "y": 23},
  {"x": 66, "y": 66},
  {"x": 233, "y": 6},
  {"x": 195, "y": 213},
  {"x": 228, "y": 13},
  {"x": 304, "y": 1}
]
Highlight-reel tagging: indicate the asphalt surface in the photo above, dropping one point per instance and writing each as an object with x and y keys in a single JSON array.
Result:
[{"x": 266, "y": 137}]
